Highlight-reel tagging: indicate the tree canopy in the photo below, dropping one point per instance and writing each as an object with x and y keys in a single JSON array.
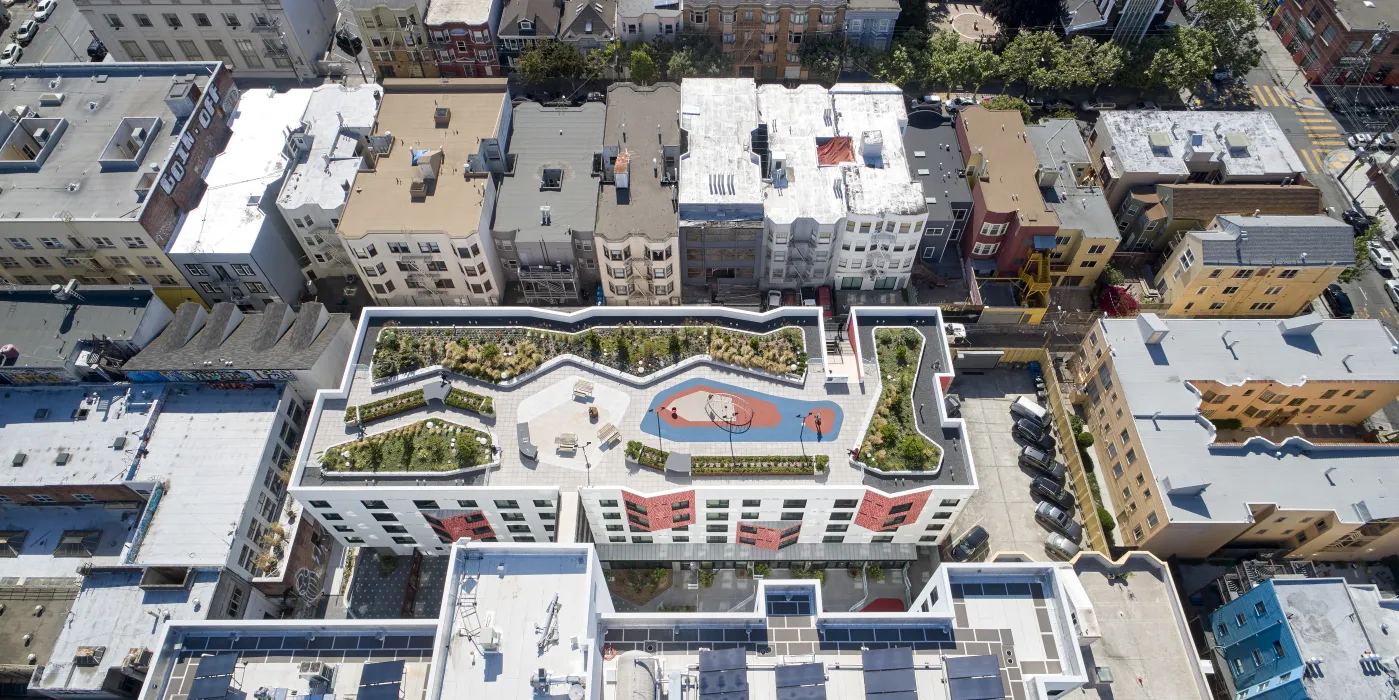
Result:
[
  {"x": 1232, "y": 24},
  {"x": 1015, "y": 14},
  {"x": 548, "y": 60}
]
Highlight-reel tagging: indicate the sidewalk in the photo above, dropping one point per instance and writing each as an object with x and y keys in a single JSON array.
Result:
[{"x": 1284, "y": 72}]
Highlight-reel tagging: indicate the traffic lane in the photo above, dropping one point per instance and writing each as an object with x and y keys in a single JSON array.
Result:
[
  {"x": 1368, "y": 296},
  {"x": 48, "y": 46},
  {"x": 1312, "y": 132}
]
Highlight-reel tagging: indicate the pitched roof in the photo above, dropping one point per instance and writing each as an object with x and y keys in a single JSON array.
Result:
[
  {"x": 1201, "y": 202},
  {"x": 276, "y": 339},
  {"x": 1278, "y": 240},
  {"x": 545, "y": 15}
]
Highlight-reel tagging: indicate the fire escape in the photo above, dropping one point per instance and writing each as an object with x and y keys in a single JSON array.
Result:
[
  {"x": 1035, "y": 280},
  {"x": 801, "y": 256},
  {"x": 419, "y": 275},
  {"x": 88, "y": 256},
  {"x": 880, "y": 243}
]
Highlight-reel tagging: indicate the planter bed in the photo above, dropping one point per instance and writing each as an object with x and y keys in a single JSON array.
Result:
[
  {"x": 893, "y": 443},
  {"x": 646, "y": 456},
  {"x": 421, "y": 447},
  {"x": 471, "y": 402},
  {"x": 758, "y": 466},
  {"x": 498, "y": 354},
  {"x": 383, "y": 408}
]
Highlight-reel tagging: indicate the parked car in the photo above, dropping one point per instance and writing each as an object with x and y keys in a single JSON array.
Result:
[
  {"x": 596, "y": 97},
  {"x": 96, "y": 51},
  {"x": 1391, "y": 288},
  {"x": 1147, "y": 105},
  {"x": 1032, "y": 434},
  {"x": 10, "y": 56},
  {"x": 1061, "y": 546},
  {"x": 928, "y": 102},
  {"x": 1059, "y": 520},
  {"x": 1090, "y": 106},
  {"x": 1033, "y": 426},
  {"x": 1033, "y": 102},
  {"x": 7, "y": 3},
  {"x": 27, "y": 29},
  {"x": 1358, "y": 220},
  {"x": 1386, "y": 142},
  {"x": 971, "y": 545},
  {"x": 1040, "y": 461},
  {"x": 1381, "y": 257},
  {"x": 774, "y": 298},
  {"x": 1061, "y": 104},
  {"x": 958, "y": 103},
  {"x": 1338, "y": 301},
  {"x": 1053, "y": 492},
  {"x": 1358, "y": 140},
  {"x": 1025, "y": 408},
  {"x": 44, "y": 10}
]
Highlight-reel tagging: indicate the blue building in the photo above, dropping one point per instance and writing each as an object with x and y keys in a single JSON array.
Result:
[{"x": 1289, "y": 639}]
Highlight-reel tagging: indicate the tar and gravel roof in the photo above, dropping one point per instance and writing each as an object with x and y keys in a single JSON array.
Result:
[
  {"x": 1267, "y": 152},
  {"x": 645, "y": 206},
  {"x": 564, "y": 138},
  {"x": 1059, "y": 146},
  {"x": 930, "y": 143}
]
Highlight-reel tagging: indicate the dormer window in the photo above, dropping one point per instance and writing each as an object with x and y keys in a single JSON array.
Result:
[
  {"x": 526, "y": 25},
  {"x": 588, "y": 27}
]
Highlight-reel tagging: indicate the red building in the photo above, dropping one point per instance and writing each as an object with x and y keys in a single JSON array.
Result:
[
  {"x": 462, "y": 36},
  {"x": 1334, "y": 41}
]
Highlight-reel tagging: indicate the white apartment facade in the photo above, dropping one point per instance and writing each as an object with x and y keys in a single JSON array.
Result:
[{"x": 262, "y": 39}]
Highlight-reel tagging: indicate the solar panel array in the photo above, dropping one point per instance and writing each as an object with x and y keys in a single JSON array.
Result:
[
  {"x": 889, "y": 674},
  {"x": 974, "y": 677},
  {"x": 381, "y": 681},
  {"x": 723, "y": 674},
  {"x": 801, "y": 682},
  {"x": 213, "y": 676}
]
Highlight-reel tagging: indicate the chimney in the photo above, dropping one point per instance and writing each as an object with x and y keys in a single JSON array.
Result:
[{"x": 1153, "y": 329}]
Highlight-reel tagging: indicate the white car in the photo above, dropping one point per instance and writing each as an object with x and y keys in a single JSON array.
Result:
[
  {"x": 27, "y": 29},
  {"x": 774, "y": 298},
  {"x": 7, "y": 3},
  {"x": 1358, "y": 140},
  {"x": 10, "y": 56},
  {"x": 44, "y": 10},
  {"x": 1392, "y": 289},
  {"x": 1381, "y": 257}
]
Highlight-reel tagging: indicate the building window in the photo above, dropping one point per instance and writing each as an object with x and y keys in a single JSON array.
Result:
[
  {"x": 113, "y": 21},
  {"x": 133, "y": 50},
  {"x": 989, "y": 230},
  {"x": 985, "y": 248},
  {"x": 230, "y": 20}
]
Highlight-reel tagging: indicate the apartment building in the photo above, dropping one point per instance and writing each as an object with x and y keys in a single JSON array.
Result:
[
  {"x": 232, "y": 245},
  {"x": 719, "y": 197},
  {"x": 638, "y": 241},
  {"x": 264, "y": 40},
  {"x": 650, "y": 20},
  {"x": 524, "y": 23},
  {"x": 935, "y": 160},
  {"x": 1135, "y": 148},
  {"x": 325, "y": 154},
  {"x": 393, "y": 34},
  {"x": 306, "y": 348},
  {"x": 463, "y": 36},
  {"x": 1071, "y": 628},
  {"x": 764, "y": 40},
  {"x": 547, "y": 207},
  {"x": 1242, "y": 436},
  {"x": 1254, "y": 265},
  {"x": 1125, "y": 22},
  {"x": 418, "y": 218},
  {"x": 870, "y": 23},
  {"x": 83, "y": 200},
  {"x": 86, "y": 334},
  {"x": 1311, "y": 637},
  {"x": 1087, "y": 235},
  {"x": 1010, "y": 220},
  {"x": 544, "y": 461},
  {"x": 1151, "y": 216},
  {"x": 588, "y": 24},
  {"x": 1343, "y": 41}
]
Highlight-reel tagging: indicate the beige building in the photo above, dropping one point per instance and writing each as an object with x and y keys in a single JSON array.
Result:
[
  {"x": 764, "y": 39},
  {"x": 394, "y": 38},
  {"x": 418, "y": 221},
  {"x": 1254, "y": 265},
  {"x": 1150, "y": 216},
  {"x": 1243, "y": 437},
  {"x": 1087, "y": 237},
  {"x": 637, "y": 234}
]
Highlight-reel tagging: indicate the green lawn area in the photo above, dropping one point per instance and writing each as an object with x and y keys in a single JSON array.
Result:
[
  {"x": 893, "y": 443},
  {"x": 421, "y": 447}
]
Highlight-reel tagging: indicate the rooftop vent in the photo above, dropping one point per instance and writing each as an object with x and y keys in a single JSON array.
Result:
[
  {"x": 427, "y": 164},
  {"x": 1153, "y": 329},
  {"x": 89, "y": 656},
  {"x": 1160, "y": 143},
  {"x": 1237, "y": 142},
  {"x": 62, "y": 458},
  {"x": 77, "y": 543},
  {"x": 119, "y": 443},
  {"x": 51, "y": 99},
  {"x": 551, "y": 179},
  {"x": 254, "y": 200},
  {"x": 181, "y": 98},
  {"x": 41, "y": 414},
  {"x": 19, "y": 460},
  {"x": 544, "y": 219},
  {"x": 441, "y": 117},
  {"x": 129, "y": 143}
]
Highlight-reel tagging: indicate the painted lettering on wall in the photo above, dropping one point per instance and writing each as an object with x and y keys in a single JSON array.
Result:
[{"x": 175, "y": 171}]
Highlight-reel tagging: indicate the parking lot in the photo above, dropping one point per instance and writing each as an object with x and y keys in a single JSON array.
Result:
[{"x": 1002, "y": 503}]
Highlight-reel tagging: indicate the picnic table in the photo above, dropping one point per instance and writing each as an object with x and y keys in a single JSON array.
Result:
[{"x": 607, "y": 433}]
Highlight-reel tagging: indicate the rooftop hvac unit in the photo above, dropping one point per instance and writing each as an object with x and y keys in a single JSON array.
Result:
[
  {"x": 313, "y": 671},
  {"x": 137, "y": 659},
  {"x": 89, "y": 656},
  {"x": 41, "y": 135},
  {"x": 490, "y": 639}
]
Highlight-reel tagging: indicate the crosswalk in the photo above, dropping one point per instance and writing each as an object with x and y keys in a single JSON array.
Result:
[
  {"x": 1314, "y": 159},
  {"x": 1320, "y": 129}
]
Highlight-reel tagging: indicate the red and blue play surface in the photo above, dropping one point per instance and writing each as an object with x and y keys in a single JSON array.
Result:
[{"x": 688, "y": 410}]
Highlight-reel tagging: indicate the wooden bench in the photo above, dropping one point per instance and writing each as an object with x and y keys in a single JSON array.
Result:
[
  {"x": 567, "y": 442},
  {"x": 583, "y": 389},
  {"x": 607, "y": 433}
]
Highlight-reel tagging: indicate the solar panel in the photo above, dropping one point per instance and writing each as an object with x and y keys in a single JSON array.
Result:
[
  {"x": 805, "y": 692},
  {"x": 888, "y": 659},
  {"x": 801, "y": 674},
  {"x": 973, "y": 666},
  {"x": 723, "y": 660},
  {"x": 210, "y": 688},
  {"x": 383, "y": 691},
  {"x": 984, "y": 688},
  {"x": 894, "y": 681},
  {"x": 381, "y": 672},
  {"x": 717, "y": 682},
  {"x": 216, "y": 665}
]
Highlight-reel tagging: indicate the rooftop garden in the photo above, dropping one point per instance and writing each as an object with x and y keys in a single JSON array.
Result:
[
  {"x": 701, "y": 465},
  {"x": 498, "y": 354},
  {"x": 893, "y": 442},
  {"x": 427, "y": 446},
  {"x": 407, "y": 401}
]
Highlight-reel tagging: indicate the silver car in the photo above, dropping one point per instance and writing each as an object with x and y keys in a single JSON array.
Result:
[
  {"x": 1060, "y": 545},
  {"x": 1052, "y": 516}
]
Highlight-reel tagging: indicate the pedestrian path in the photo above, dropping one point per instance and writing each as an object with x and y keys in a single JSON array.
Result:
[{"x": 1272, "y": 96}]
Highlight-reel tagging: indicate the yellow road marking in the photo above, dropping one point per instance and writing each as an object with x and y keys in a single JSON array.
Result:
[
  {"x": 1315, "y": 120},
  {"x": 1261, "y": 94},
  {"x": 1307, "y": 159},
  {"x": 1309, "y": 102}
]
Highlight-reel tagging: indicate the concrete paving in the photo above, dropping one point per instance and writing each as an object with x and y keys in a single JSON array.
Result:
[
  {"x": 1002, "y": 504},
  {"x": 729, "y": 593}
]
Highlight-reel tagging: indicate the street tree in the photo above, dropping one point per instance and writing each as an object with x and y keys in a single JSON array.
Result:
[
  {"x": 939, "y": 57},
  {"x": 552, "y": 60},
  {"x": 1104, "y": 64},
  {"x": 1030, "y": 57},
  {"x": 901, "y": 65},
  {"x": 821, "y": 56},
  {"x": 643, "y": 67},
  {"x": 1233, "y": 25},
  {"x": 695, "y": 56},
  {"x": 1009, "y": 102},
  {"x": 1073, "y": 62},
  {"x": 1014, "y": 14},
  {"x": 1184, "y": 60},
  {"x": 973, "y": 66}
]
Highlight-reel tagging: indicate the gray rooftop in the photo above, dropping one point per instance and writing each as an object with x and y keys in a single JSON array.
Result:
[
  {"x": 544, "y": 14},
  {"x": 1057, "y": 141},
  {"x": 1278, "y": 240},
  {"x": 119, "y": 91},
  {"x": 277, "y": 339},
  {"x": 45, "y": 330},
  {"x": 459, "y": 11},
  {"x": 930, "y": 143},
  {"x": 1180, "y": 444},
  {"x": 720, "y": 177},
  {"x": 335, "y": 116},
  {"x": 645, "y": 206},
  {"x": 43, "y": 422},
  {"x": 549, "y": 138},
  {"x": 1337, "y": 622},
  {"x": 1265, "y": 152},
  {"x": 1059, "y": 146},
  {"x": 1367, "y": 14}
]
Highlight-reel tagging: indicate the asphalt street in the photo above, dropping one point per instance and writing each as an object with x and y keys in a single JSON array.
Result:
[{"x": 49, "y": 45}]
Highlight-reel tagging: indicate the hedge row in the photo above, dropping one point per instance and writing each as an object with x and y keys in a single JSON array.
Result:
[{"x": 385, "y": 407}]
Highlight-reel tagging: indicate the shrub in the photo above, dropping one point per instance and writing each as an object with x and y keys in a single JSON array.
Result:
[
  {"x": 1117, "y": 301},
  {"x": 706, "y": 577},
  {"x": 1105, "y": 519},
  {"x": 1227, "y": 423},
  {"x": 385, "y": 407},
  {"x": 773, "y": 464},
  {"x": 471, "y": 402},
  {"x": 761, "y": 569},
  {"x": 876, "y": 572},
  {"x": 1084, "y": 440},
  {"x": 388, "y": 564},
  {"x": 808, "y": 572},
  {"x": 893, "y": 442},
  {"x": 1075, "y": 423},
  {"x": 646, "y": 456}
]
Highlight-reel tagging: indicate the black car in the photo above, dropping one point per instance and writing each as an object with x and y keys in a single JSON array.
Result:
[
  {"x": 1041, "y": 461},
  {"x": 1358, "y": 220},
  {"x": 1027, "y": 432},
  {"x": 971, "y": 545},
  {"x": 1338, "y": 301},
  {"x": 96, "y": 51},
  {"x": 1032, "y": 426},
  {"x": 1054, "y": 492}
]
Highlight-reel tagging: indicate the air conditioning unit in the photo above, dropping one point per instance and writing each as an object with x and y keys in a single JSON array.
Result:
[
  {"x": 313, "y": 671},
  {"x": 89, "y": 656},
  {"x": 490, "y": 639}
]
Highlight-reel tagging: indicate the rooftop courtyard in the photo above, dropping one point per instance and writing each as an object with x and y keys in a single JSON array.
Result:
[{"x": 651, "y": 398}]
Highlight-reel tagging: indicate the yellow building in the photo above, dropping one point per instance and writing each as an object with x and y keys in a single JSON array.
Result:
[
  {"x": 1087, "y": 235},
  {"x": 1254, "y": 265},
  {"x": 1243, "y": 436}
]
